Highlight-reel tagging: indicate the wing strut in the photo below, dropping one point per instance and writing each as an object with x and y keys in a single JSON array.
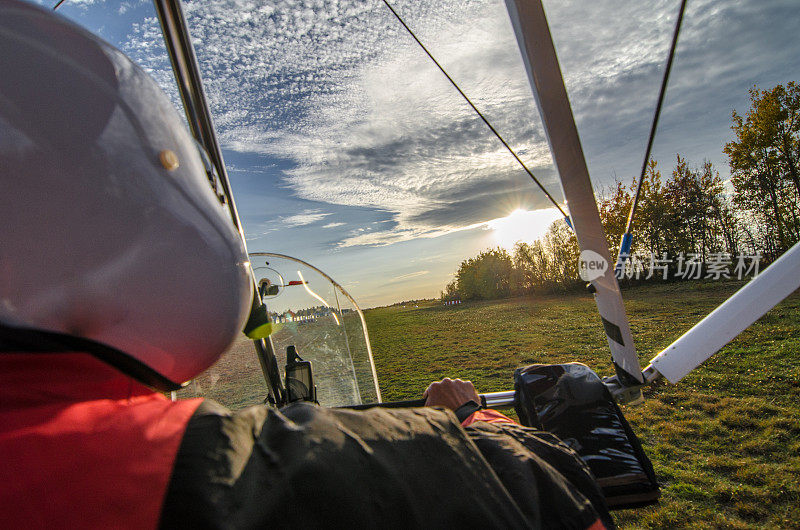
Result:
[
  {"x": 544, "y": 73},
  {"x": 736, "y": 314},
  {"x": 190, "y": 85}
]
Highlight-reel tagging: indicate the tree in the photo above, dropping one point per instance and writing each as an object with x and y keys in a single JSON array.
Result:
[
  {"x": 485, "y": 276},
  {"x": 562, "y": 245},
  {"x": 549, "y": 263},
  {"x": 764, "y": 162},
  {"x": 652, "y": 216},
  {"x": 613, "y": 208},
  {"x": 688, "y": 213},
  {"x": 450, "y": 291},
  {"x": 691, "y": 212}
]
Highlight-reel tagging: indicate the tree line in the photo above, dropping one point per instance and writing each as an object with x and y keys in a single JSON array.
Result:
[{"x": 691, "y": 214}]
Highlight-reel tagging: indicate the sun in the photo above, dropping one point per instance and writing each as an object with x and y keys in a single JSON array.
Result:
[{"x": 522, "y": 225}]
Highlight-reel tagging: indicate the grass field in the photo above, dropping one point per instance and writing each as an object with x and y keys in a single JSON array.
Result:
[{"x": 725, "y": 442}]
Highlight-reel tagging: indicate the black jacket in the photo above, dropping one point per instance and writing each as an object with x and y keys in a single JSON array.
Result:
[{"x": 311, "y": 467}]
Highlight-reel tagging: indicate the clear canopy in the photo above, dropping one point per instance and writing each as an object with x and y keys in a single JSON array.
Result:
[{"x": 314, "y": 314}]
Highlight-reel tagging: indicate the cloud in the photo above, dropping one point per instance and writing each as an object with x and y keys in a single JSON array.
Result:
[
  {"x": 333, "y": 225},
  {"x": 82, "y": 4},
  {"x": 306, "y": 217},
  {"x": 258, "y": 235},
  {"x": 362, "y": 119},
  {"x": 407, "y": 277},
  {"x": 127, "y": 5},
  {"x": 341, "y": 92}
]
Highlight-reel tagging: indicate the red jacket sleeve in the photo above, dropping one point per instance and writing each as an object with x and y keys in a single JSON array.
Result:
[{"x": 487, "y": 415}]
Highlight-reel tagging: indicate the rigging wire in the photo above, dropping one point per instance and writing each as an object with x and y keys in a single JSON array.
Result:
[
  {"x": 497, "y": 134},
  {"x": 58, "y": 4},
  {"x": 627, "y": 237}
]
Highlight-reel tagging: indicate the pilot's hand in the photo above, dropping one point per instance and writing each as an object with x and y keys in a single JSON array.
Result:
[{"x": 450, "y": 393}]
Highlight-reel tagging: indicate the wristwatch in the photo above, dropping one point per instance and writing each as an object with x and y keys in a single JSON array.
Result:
[{"x": 467, "y": 409}]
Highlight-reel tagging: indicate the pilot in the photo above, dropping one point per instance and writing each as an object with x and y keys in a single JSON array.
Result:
[{"x": 110, "y": 223}]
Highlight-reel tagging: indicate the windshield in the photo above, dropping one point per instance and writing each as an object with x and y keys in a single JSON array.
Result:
[{"x": 315, "y": 315}]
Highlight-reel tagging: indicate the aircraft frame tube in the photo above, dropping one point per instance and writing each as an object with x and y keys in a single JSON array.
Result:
[
  {"x": 499, "y": 399},
  {"x": 544, "y": 73},
  {"x": 179, "y": 46},
  {"x": 736, "y": 314}
]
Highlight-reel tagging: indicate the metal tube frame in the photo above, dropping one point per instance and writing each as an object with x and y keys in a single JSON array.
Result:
[
  {"x": 544, "y": 72},
  {"x": 195, "y": 105}
]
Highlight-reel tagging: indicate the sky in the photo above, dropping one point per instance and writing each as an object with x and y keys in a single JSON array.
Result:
[{"x": 348, "y": 149}]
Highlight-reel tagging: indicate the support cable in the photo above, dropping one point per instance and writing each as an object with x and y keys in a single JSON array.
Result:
[
  {"x": 627, "y": 237},
  {"x": 505, "y": 144}
]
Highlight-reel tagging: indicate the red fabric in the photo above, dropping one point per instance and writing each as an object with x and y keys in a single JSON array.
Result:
[
  {"x": 597, "y": 525},
  {"x": 82, "y": 445},
  {"x": 487, "y": 415}
]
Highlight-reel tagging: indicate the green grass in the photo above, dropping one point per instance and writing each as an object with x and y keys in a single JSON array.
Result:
[{"x": 725, "y": 441}]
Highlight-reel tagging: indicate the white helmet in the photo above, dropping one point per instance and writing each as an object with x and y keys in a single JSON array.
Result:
[{"x": 111, "y": 230}]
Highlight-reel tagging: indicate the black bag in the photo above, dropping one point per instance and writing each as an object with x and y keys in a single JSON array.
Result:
[{"x": 572, "y": 402}]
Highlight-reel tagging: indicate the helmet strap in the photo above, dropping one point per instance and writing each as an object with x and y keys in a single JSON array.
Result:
[{"x": 26, "y": 340}]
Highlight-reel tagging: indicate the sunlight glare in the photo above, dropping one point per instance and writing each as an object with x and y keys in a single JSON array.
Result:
[{"x": 522, "y": 225}]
